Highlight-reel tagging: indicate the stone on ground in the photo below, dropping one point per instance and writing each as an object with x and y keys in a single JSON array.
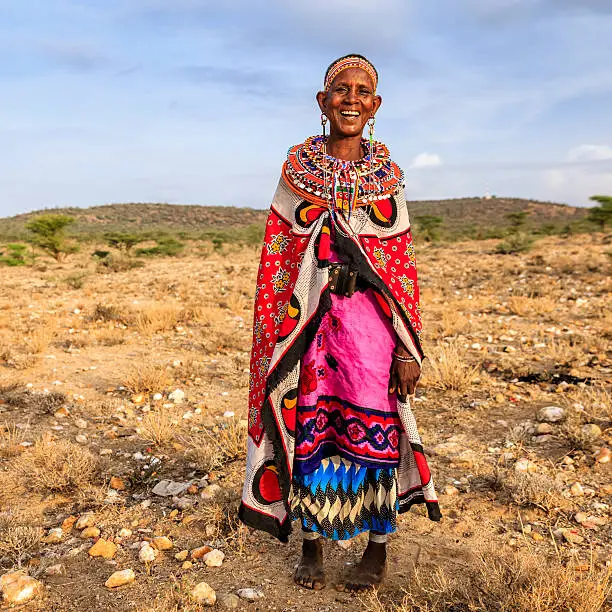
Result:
[
  {"x": 204, "y": 594},
  {"x": 250, "y": 594},
  {"x": 214, "y": 558},
  {"x": 551, "y": 414},
  {"x": 120, "y": 578},
  {"x": 85, "y": 520},
  {"x": 18, "y": 588},
  {"x": 103, "y": 548},
  {"x": 162, "y": 543}
]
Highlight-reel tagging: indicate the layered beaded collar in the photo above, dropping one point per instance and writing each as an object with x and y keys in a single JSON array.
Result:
[{"x": 336, "y": 183}]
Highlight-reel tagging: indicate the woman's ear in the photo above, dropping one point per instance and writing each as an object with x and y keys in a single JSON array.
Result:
[
  {"x": 321, "y": 99},
  {"x": 377, "y": 104}
]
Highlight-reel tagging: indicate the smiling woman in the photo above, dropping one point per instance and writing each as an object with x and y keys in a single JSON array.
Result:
[{"x": 336, "y": 343}]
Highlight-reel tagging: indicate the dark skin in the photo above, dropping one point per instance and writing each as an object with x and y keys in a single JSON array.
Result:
[{"x": 348, "y": 104}]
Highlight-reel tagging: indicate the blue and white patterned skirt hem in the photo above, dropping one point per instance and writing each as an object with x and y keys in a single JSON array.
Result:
[{"x": 341, "y": 499}]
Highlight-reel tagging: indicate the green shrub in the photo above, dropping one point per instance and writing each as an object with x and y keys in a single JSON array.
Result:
[
  {"x": 165, "y": 247},
  {"x": 601, "y": 215},
  {"x": 519, "y": 242},
  {"x": 123, "y": 241},
  {"x": 16, "y": 255},
  {"x": 428, "y": 227},
  {"x": 49, "y": 235}
]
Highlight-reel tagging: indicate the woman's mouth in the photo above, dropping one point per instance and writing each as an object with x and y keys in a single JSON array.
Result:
[{"x": 350, "y": 114}]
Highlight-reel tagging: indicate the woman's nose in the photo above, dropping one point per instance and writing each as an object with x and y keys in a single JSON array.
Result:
[{"x": 351, "y": 96}]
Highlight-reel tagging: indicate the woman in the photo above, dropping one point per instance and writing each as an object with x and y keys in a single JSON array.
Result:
[{"x": 336, "y": 351}]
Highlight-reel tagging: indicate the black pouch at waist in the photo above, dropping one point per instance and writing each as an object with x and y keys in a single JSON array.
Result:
[{"x": 343, "y": 281}]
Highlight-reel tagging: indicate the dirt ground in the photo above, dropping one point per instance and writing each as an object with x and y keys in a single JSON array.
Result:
[{"x": 89, "y": 361}]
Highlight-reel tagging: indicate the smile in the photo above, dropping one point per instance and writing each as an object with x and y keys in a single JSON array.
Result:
[{"x": 348, "y": 113}]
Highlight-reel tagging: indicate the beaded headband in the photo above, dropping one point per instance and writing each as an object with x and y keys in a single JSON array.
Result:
[{"x": 350, "y": 61}]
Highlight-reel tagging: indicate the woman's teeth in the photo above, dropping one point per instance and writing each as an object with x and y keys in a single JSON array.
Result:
[{"x": 350, "y": 113}]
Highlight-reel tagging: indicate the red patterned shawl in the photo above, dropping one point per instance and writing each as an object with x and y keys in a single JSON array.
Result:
[{"x": 291, "y": 297}]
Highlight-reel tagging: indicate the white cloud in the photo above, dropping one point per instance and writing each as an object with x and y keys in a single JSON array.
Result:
[
  {"x": 426, "y": 160},
  {"x": 590, "y": 152}
]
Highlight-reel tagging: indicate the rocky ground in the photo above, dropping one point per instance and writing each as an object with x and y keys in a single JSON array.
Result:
[{"x": 122, "y": 430}]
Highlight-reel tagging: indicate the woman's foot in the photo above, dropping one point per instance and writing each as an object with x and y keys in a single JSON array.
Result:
[
  {"x": 309, "y": 572},
  {"x": 369, "y": 572}
]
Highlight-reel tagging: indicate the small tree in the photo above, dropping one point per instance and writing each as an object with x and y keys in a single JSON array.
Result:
[
  {"x": 123, "y": 241},
  {"x": 429, "y": 226},
  {"x": 49, "y": 235},
  {"x": 517, "y": 219},
  {"x": 16, "y": 255},
  {"x": 601, "y": 215}
]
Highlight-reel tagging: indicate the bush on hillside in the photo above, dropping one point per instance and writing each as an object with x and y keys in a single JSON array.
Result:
[
  {"x": 428, "y": 227},
  {"x": 16, "y": 255},
  {"x": 519, "y": 242},
  {"x": 166, "y": 246},
  {"x": 49, "y": 235},
  {"x": 124, "y": 241},
  {"x": 601, "y": 215}
]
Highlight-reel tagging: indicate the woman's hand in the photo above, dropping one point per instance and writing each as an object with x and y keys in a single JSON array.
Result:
[{"x": 404, "y": 376}]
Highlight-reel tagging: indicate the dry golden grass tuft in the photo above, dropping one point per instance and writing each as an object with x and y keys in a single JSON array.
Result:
[
  {"x": 157, "y": 318},
  {"x": 447, "y": 369},
  {"x": 39, "y": 338},
  {"x": 452, "y": 323},
  {"x": 18, "y": 539},
  {"x": 54, "y": 465},
  {"x": 525, "y": 490},
  {"x": 161, "y": 426},
  {"x": 525, "y": 306},
  {"x": 504, "y": 582},
  {"x": 595, "y": 402},
  {"x": 205, "y": 314},
  {"x": 565, "y": 351},
  {"x": 11, "y": 438},
  {"x": 111, "y": 336},
  {"x": 147, "y": 378},
  {"x": 213, "y": 449}
]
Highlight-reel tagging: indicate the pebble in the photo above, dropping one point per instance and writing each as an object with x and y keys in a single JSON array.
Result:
[
  {"x": 450, "y": 491},
  {"x": 229, "y": 414},
  {"x": 198, "y": 553},
  {"x": 90, "y": 532},
  {"x": 80, "y": 423},
  {"x": 181, "y": 556},
  {"x": 551, "y": 414},
  {"x": 591, "y": 431},
  {"x": 572, "y": 536},
  {"x": 537, "y": 537},
  {"x": 543, "y": 429},
  {"x": 580, "y": 517},
  {"x": 576, "y": 489},
  {"x": 55, "y": 570},
  {"x": 214, "y": 558},
  {"x": 103, "y": 548},
  {"x": 85, "y": 520},
  {"x": 54, "y": 536},
  {"x": 229, "y": 601},
  {"x": 525, "y": 466},
  {"x": 466, "y": 459},
  {"x": 204, "y": 594},
  {"x": 157, "y": 397},
  {"x": 147, "y": 553},
  {"x": 499, "y": 398},
  {"x": 250, "y": 594},
  {"x": 106, "y": 451},
  {"x": 603, "y": 455},
  {"x": 81, "y": 439},
  {"x": 187, "y": 565},
  {"x": 117, "y": 483},
  {"x": 18, "y": 588},
  {"x": 162, "y": 543},
  {"x": 120, "y": 578},
  {"x": 177, "y": 396},
  {"x": 210, "y": 491},
  {"x": 169, "y": 488}
]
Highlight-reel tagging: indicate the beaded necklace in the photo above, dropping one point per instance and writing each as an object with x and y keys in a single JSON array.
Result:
[{"x": 340, "y": 184}]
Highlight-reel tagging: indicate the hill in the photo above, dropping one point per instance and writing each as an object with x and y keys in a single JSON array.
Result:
[{"x": 461, "y": 216}]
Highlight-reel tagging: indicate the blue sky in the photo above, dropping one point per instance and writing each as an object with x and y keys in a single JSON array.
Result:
[{"x": 195, "y": 101}]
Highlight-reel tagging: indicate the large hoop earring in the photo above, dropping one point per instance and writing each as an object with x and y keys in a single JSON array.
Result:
[{"x": 371, "y": 122}]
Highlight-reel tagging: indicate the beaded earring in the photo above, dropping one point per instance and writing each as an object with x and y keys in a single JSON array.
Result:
[
  {"x": 323, "y": 123},
  {"x": 371, "y": 122}
]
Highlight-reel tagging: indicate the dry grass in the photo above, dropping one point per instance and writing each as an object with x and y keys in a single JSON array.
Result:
[
  {"x": 529, "y": 490},
  {"x": 506, "y": 583},
  {"x": 452, "y": 323},
  {"x": 161, "y": 426},
  {"x": 447, "y": 369},
  {"x": 110, "y": 337},
  {"x": 565, "y": 351},
  {"x": 108, "y": 312},
  {"x": 157, "y": 318},
  {"x": 55, "y": 465},
  {"x": 525, "y": 306},
  {"x": 18, "y": 539},
  {"x": 147, "y": 378},
  {"x": 11, "y": 438},
  {"x": 39, "y": 338},
  {"x": 213, "y": 449},
  {"x": 596, "y": 402}
]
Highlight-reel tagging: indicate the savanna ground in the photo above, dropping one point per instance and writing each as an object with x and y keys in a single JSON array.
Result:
[{"x": 88, "y": 361}]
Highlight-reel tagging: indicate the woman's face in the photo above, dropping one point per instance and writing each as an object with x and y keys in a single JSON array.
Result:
[{"x": 349, "y": 102}]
